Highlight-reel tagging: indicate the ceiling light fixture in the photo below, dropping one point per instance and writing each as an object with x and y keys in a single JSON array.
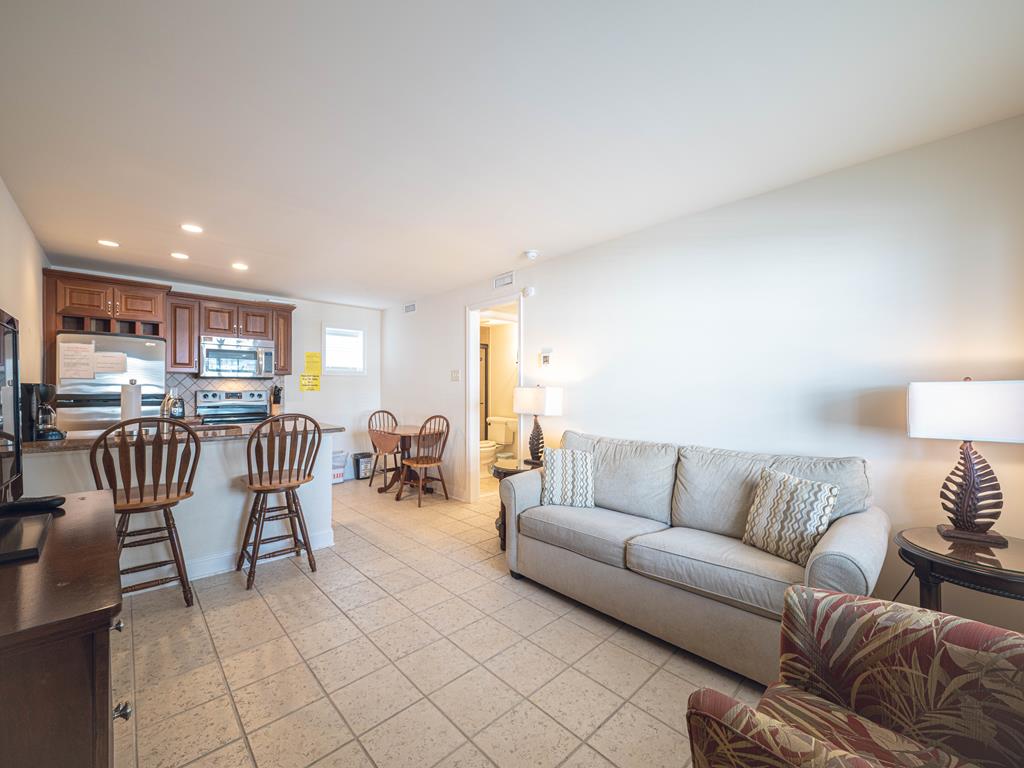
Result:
[
  {"x": 195, "y": 229},
  {"x": 108, "y": 243},
  {"x": 531, "y": 255},
  {"x": 181, "y": 256},
  {"x": 240, "y": 266}
]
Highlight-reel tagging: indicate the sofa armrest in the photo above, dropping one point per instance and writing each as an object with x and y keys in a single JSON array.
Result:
[
  {"x": 518, "y": 493},
  {"x": 725, "y": 733},
  {"x": 849, "y": 557}
]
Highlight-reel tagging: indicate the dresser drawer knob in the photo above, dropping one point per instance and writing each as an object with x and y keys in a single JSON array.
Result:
[
  {"x": 119, "y": 625},
  {"x": 123, "y": 711}
]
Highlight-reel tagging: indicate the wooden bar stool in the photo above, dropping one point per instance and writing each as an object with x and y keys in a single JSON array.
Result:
[
  {"x": 429, "y": 449},
  {"x": 281, "y": 454},
  {"x": 149, "y": 466},
  {"x": 385, "y": 443}
]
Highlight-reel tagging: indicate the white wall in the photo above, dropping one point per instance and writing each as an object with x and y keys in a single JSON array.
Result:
[
  {"x": 21, "y": 283},
  {"x": 788, "y": 322},
  {"x": 345, "y": 401}
]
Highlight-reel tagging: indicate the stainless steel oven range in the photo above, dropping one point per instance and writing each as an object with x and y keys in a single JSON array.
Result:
[{"x": 232, "y": 407}]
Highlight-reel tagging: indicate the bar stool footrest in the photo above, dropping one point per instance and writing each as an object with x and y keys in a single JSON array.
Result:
[
  {"x": 150, "y": 583},
  {"x": 145, "y": 542},
  {"x": 146, "y": 567}
]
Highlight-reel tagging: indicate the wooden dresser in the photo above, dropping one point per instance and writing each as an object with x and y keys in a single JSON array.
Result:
[{"x": 56, "y": 616}]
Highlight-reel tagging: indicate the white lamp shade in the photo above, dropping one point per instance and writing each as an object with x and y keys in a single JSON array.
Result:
[
  {"x": 537, "y": 401},
  {"x": 991, "y": 411}
]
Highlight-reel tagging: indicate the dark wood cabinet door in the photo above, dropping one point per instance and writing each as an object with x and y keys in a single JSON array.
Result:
[
  {"x": 282, "y": 341},
  {"x": 255, "y": 322},
  {"x": 218, "y": 318},
  {"x": 145, "y": 304},
  {"x": 182, "y": 335},
  {"x": 84, "y": 298}
]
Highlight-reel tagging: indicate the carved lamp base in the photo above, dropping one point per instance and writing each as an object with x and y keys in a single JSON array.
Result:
[
  {"x": 972, "y": 498},
  {"x": 536, "y": 441},
  {"x": 987, "y": 538}
]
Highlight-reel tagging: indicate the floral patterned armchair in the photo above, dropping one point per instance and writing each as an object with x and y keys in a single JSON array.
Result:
[{"x": 866, "y": 683}]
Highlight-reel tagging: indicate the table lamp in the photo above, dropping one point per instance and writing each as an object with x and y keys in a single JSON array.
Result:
[
  {"x": 537, "y": 401},
  {"x": 967, "y": 411}
]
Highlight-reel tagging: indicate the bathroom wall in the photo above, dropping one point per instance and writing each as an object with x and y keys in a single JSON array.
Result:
[{"x": 503, "y": 367}]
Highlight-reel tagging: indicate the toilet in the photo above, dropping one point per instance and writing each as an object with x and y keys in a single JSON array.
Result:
[{"x": 500, "y": 442}]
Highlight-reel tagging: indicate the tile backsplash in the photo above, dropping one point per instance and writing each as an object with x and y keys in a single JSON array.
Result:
[{"x": 187, "y": 386}]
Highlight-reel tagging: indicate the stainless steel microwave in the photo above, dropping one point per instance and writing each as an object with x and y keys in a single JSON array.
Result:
[{"x": 231, "y": 358}]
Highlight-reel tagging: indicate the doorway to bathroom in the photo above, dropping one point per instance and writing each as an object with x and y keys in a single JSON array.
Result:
[
  {"x": 494, "y": 336},
  {"x": 499, "y": 376}
]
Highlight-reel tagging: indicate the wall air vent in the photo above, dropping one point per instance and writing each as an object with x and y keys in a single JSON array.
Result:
[
  {"x": 410, "y": 308},
  {"x": 505, "y": 279}
]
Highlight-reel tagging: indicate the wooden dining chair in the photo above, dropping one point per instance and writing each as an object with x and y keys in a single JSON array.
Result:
[
  {"x": 149, "y": 465},
  {"x": 281, "y": 454},
  {"x": 384, "y": 442},
  {"x": 428, "y": 451}
]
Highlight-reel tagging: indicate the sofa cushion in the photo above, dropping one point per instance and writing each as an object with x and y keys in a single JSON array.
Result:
[
  {"x": 630, "y": 476},
  {"x": 714, "y": 488},
  {"x": 716, "y": 566},
  {"x": 600, "y": 534},
  {"x": 849, "y": 731}
]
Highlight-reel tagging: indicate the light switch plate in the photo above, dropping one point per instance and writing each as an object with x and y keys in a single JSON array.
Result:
[{"x": 456, "y": 374}]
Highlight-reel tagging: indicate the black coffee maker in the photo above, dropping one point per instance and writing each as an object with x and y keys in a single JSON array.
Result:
[{"x": 38, "y": 416}]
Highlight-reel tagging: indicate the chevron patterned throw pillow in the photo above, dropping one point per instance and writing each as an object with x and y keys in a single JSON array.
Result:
[
  {"x": 568, "y": 478},
  {"x": 789, "y": 515}
]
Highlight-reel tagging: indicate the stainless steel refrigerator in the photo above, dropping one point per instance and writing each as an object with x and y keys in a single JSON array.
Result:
[{"x": 91, "y": 367}]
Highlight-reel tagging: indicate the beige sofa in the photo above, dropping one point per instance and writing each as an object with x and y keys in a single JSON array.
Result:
[{"x": 661, "y": 549}]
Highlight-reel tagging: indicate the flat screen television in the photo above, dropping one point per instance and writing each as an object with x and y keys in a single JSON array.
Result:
[{"x": 10, "y": 417}]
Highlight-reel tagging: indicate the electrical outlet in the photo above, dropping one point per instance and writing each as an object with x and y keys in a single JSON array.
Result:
[{"x": 456, "y": 374}]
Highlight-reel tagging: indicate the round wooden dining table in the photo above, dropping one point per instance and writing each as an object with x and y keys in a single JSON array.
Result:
[{"x": 406, "y": 434}]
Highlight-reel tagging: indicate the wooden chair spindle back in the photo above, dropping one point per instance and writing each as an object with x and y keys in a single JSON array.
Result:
[
  {"x": 283, "y": 449},
  {"x": 119, "y": 456},
  {"x": 432, "y": 438}
]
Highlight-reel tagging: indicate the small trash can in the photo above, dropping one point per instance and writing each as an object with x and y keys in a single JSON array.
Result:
[
  {"x": 339, "y": 460},
  {"x": 362, "y": 463}
]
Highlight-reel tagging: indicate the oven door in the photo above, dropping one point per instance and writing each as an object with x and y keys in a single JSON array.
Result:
[{"x": 230, "y": 361}]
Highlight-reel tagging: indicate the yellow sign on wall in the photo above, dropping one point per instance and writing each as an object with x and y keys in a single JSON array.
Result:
[
  {"x": 309, "y": 379},
  {"x": 313, "y": 365}
]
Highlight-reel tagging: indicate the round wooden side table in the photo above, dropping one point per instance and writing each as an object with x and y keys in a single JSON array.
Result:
[
  {"x": 501, "y": 471},
  {"x": 966, "y": 564}
]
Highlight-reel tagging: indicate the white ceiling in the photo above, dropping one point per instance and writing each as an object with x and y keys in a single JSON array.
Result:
[{"x": 375, "y": 152}]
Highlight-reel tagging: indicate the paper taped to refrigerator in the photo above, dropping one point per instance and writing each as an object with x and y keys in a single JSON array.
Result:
[
  {"x": 110, "y": 362},
  {"x": 76, "y": 361}
]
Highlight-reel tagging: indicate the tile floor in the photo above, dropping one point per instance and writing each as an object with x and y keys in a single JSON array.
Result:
[{"x": 410, "y": 647}]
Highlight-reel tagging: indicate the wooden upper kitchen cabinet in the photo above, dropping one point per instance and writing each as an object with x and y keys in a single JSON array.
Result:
[
  {"x": 139, "y": 303},
  {"x": 283, "y": 340},
  {"x": 182, "y": 334},
  {"x": 82, "y": 296},
  {"x": 218, "y": 318},
  {"x": 255, "y": 322}
]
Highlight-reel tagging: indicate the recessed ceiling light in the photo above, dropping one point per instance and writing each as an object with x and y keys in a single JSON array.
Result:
[
  {"x": 240, "y": 266},
  {"x": 195, "y": 229},
  {"x": 182, "y": 256},
  {"x": 108, "y": 243}
]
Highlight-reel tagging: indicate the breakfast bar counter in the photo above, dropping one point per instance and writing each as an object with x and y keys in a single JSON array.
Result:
[{"x": 211, "y": 522}]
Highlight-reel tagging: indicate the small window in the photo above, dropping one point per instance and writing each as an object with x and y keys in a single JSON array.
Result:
[{"x": 344, "y": 351}]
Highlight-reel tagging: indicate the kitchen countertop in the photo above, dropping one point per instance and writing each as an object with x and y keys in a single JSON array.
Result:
[{"x": 82, "y": 441}]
